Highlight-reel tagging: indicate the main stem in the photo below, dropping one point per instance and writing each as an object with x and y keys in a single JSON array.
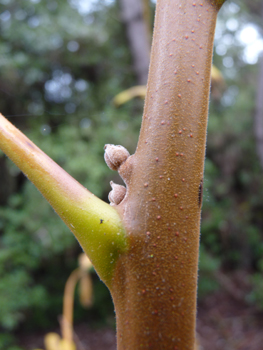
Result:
[{"x": 155, "y": 284}]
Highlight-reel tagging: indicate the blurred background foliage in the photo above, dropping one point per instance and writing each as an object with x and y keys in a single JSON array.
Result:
[{"x": 61, "y": 64}]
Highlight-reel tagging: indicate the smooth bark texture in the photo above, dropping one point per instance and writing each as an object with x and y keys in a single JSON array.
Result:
[{"x": 154, "y": 289}]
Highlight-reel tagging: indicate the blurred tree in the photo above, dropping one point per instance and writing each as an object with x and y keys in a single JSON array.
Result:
[{"x": 137, "y": 27}]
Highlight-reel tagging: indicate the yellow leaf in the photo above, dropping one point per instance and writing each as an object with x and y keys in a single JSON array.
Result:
[
  {"x": 127, "y": 95},
  {"x": 66, "y": 345},
  {"x": 217, "y": 83},
  {"x": 216, "y": 75},
  {"x": 52, "y": 341}
]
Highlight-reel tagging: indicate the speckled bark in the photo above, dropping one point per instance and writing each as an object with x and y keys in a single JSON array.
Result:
[{"x": 154, "y": 288}]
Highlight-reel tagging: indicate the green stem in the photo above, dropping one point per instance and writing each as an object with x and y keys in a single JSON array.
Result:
[{"x": 96, "y": 224}]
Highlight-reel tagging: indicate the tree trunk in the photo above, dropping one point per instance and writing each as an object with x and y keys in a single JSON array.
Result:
[{"x": 138, "y": 36}]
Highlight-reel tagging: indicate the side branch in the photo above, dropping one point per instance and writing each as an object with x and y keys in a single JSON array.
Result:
[{"x": 96, "y": 224}]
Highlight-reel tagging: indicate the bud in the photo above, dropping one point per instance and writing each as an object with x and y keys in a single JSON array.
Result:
[
  {"x": 115, "y": 156},
  {"x": 117, "y": 194}
]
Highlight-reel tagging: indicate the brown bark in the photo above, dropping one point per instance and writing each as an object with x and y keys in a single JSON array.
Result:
[
  {"x": 138, "y": 36},
  {"x": 154, "y": 288}
]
